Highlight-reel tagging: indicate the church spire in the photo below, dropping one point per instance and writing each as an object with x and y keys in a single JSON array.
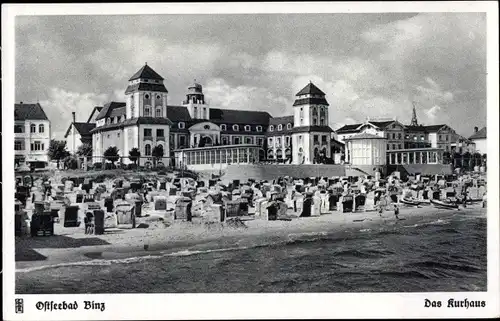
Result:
[{"x": 414, "y": 121}]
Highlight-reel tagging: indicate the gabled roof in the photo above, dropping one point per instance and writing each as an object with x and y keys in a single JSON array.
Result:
[
  {"x": 381, "y": 124},
  {"x": 311, "y": 101},
  {"x": 480, "y": 134},
  {"x": 418, "y": 128},
  {"x": 117, "y": 112},
  {"x": 82, "y": 128},
  {"x": 108, "y": 108},
  {"x": 365, "y": 136},
  {"x": 308, "y": 129},
  {"x": 133, "y": 121},
  {"x": 96, "y": 109},
  {"x": 29, "y": 112},
  {"x": 281, "y": 120},
  {"x": 146, "y": 72},
  {"x": 178, "y": 113},
  {"x": 434, "y": 128},
  {"x": 348, "y": 128},
  {"x": 232, "y": 116},
  {"x": 311, "y": 89},
  {"x": 146, "y": 87}
]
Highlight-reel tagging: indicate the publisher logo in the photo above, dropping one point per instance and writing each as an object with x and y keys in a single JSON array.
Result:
[{"x": 19, "y": 306}]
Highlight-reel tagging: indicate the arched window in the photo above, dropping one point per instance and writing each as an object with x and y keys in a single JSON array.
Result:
[
  {"x": 259, "y": 128},
  {"x": 158, "y": 112},
  {"x": 147, "y": 111},
  {"x": 108, "y": 121},
  {"x": 223, "y": 127},
  {"x": 195, "y": 111},
  {"x": 182, "y": 125},
  {"x": 33, "y": 128},
  {"x": 247, "y": 128},
  {"x": 248, "y": 140},
  {"x": 280, "y": 127},
  {"x": 236, "y": 128},
  {"x": 322, "y": 121},
  {"x": 41, "y": 128},
  {"x": 288, "y": 126},
  {"x": 147, "y": 150},
  {"x": 271, "y": 128}
]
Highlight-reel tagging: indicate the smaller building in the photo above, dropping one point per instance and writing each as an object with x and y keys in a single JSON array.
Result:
[
  {"x": 367, "y": 153},
  {"x": 216, "y": 158},
  {"x": 79, "y": 133},
  {"x": 31, "y": 135},
  {"x": 479, "y": 139}
]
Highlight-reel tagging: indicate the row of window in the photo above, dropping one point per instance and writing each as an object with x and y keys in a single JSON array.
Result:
[
  {"x": 399, "y": 146},
  {"x": 324, "y": 139},
  {"x": 280, "y": 127},
  {"x": 148, "y": 132},
  {"x": 19, "y": 129},
  {"x": 35, "y": 146},
  {"x": 278, "y": 141},
  {"x": 240, "y": 155}
]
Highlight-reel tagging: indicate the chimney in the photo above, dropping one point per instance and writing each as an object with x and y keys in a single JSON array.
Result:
[
  {"x": 74, "y": 117},
  {"x": 476, "y": 129}
]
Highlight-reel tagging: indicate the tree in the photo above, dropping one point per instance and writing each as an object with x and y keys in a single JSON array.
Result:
[
  {"x": 134, "y": 155},
  {"x": 111, "y": 154},
  {"x": 456, "y": 159},
  {"x": 157, "y": 153},
  {"x": 57, "y": 150},
  {"x": 467, "y": 159},
  {"x": 446, "y": 157},
  {"x": 483, "y": 161},
  {"x": 84, "y": 149}
]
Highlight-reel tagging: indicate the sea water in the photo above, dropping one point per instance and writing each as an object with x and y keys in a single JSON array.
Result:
[{"x": 413, "y": 255}]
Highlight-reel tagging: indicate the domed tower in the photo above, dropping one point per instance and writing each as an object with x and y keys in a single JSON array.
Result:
[
  {"x": 195, "y": 102},
  {"x": 146, "y": 94}
]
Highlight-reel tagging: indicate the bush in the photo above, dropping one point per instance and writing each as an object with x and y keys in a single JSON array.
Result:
[
  {"x": 132, "y": 166},
  {"x": 109, "y": 166},
  {"x": 97, "y": 166}
]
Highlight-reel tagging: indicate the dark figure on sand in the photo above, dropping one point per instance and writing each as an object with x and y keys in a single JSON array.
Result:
[{"x": 396, "y": 211}]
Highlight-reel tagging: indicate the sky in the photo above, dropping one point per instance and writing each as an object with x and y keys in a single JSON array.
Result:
[{"x": 369, "y": 65}]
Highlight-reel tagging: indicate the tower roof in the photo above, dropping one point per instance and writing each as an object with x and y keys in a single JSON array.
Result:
[
  {"x": 311, "y": 89},
  {"x": 29, "y": 112},
  {"x": 146, "y": 72}
]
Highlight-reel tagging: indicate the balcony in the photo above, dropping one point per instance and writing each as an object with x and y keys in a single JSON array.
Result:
[
  {"x": 160, "y": 138},
  {"x": 148, "y": 138}
]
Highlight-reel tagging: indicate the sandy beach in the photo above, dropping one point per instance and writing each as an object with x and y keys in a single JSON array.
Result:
[{"x": 71, "y": 246}]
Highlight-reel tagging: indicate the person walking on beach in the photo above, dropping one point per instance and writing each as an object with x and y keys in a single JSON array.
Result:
[{"x": 396, "y": 211}]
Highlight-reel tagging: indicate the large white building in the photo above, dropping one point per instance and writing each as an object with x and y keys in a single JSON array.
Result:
[
  {"x": 31, "y": 135},
  {"x": 188, "y": 132}
]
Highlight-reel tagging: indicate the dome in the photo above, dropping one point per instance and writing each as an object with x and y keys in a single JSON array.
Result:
[{"x": 196, "y": 86}]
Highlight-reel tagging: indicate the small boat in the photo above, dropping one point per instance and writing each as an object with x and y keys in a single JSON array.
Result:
[
  {"x": 410, "y": 201},
  {"x": 444, "y": 204}
]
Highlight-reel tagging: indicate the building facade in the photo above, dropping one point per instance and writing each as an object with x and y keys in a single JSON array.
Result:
[
  {"x": 146, "y": 121},
  {"x": 479, "y": 140},
  {"x": 32, "y": 134}
]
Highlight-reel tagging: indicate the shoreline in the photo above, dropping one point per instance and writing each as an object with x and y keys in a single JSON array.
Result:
[{"x": 183, "y": 238}]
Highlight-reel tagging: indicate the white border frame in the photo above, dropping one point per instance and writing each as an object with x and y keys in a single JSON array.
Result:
[{"x": 179, "y": 306}]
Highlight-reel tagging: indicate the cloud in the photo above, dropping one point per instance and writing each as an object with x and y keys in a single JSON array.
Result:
[
  {"x": 432, "y": 112},
  {"x": 222, "y": 95},
  {"x": 61, "y": 103},
  {"x": 371, "y": 65}
]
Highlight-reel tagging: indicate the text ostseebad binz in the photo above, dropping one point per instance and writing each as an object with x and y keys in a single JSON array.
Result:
[
  {"x": 452, "y": 303},
  {"x": 52, "y": 306}
]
